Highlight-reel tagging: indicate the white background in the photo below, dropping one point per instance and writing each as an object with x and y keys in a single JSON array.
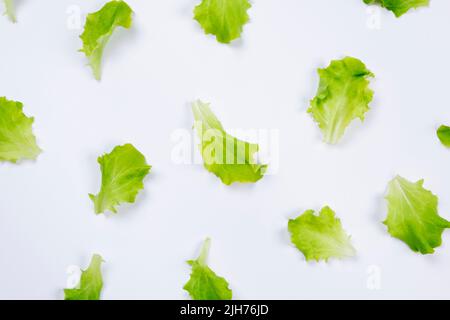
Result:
[{"x": 264, "y": 80}]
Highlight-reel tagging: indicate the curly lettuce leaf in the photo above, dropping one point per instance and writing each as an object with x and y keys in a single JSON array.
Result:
[
  {"x": 91, "y": 282},
  {"x": 204, "y": 284},
  {"x": 229, "y": 158},
  {"x": 10, "y": 12},
  {"x": 17, "y": 141},
  {"x": 343, "y": 95},
  {"x": 399, "y": 7},
  {"x": 443, "y": 134},
  {"x": 123, "y": 172},
  {"x": 413, "y": 215},
  {"x": 223, "y": 18},
  {"x": 320, "y": 237},
  {"x": 98, "y": 29}
]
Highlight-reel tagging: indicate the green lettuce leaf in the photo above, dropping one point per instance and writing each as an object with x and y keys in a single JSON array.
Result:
[
  {"x": 98, "y": 29},
  {"x": 413, "y": 215},
  {"x": 223, "y": 18},
  {"x": 10, "y": 12},
  {"x": 91, "y": 282},
  {"x": 444, "y": 135},
  {"x": 123, "y": 172},
  {"x": 399, "y": 7},
  {"x": 343, "y": 95},
  {"x": 320, "y": 237},
  {"x": 17, "y": 141},
  {"x": 204, "y": 284},
  {"x": 229, "y": 158}
]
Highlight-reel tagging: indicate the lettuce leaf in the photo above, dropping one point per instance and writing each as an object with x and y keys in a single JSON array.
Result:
[
  {"x": 320, "y": 237},
  {"x": 91, "y": 282},
  {"x": 229, "y": 158},
  {"x": 399, "y": 7},
  {"x": 204, "y": 284},
  {"x": 343, "y": 95},
  {"x": 223, "y": 18},
  {"x": 98, "y": 29},
  {"x": 10, "y": 12},
  {"x": 443, "y": 134},
  {"x": 123, "y": 172},
  {"x": 413, "y": 215},
  {"x": 17, "y": 141}
]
